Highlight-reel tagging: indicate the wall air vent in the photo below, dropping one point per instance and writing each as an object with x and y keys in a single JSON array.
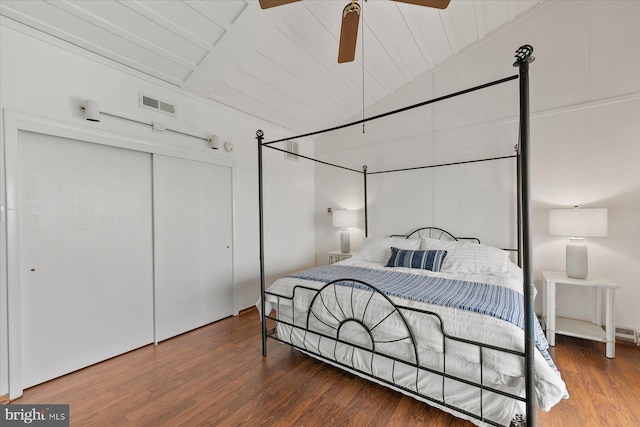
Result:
[
  {"x": 147, "y": 101},
  {"x": 628, "y": 335},
  {"x": 291, "y": 148}
]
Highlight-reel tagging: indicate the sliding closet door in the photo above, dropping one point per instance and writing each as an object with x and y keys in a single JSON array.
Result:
[
  {"x": 192, "y": 244},
  {"x": 86, "y": 265}
]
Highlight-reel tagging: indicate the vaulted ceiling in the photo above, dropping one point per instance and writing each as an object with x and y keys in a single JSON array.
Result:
[{"x": 278, "y": 64}]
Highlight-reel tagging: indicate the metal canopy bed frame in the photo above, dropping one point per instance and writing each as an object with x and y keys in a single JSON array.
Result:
[{"x": 523, "y": 58}]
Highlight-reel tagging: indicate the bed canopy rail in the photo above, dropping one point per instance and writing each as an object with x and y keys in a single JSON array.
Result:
[
  {"x": 523, "y": 58},
  {"x": 365, "y": 172},
  {"x": 464, "y": 162},
  {"x": 399, "y": 110}
]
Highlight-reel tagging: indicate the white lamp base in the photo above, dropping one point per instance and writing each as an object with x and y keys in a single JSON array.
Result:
[
  {"x": 577, "y": 259},
  {"x": 345, "y": 244}
]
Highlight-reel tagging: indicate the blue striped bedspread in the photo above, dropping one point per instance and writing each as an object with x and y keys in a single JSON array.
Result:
[{"x": 493, "y": 300}]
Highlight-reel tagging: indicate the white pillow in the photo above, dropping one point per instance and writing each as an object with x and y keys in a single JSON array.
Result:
[
  {"x": 469, "y": 257},
  {"x": 429, "y": 244},
  {"x": 378, "y": 249}
]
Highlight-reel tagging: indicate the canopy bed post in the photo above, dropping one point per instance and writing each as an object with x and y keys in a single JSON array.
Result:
[
  {"x": 524, "y": 57},
  {"x": 366, "y": 212},
  {"x": 260, "y": 137},
  {"x": 518, "y": 208}
]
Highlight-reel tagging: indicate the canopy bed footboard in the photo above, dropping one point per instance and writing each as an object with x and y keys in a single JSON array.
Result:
[{"x": 353, "y": 325}]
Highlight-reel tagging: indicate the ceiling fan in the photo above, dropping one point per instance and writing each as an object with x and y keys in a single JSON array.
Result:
[{"x": 350, "y": 21}]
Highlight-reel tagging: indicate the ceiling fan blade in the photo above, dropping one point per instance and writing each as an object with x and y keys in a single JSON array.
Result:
[
  {"x": 438, "y": 4},
  {"x": 349, "y": 32},
  {"x": 266, "y": 4}
]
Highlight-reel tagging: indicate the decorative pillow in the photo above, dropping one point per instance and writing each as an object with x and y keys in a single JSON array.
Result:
[
  {"x": 378, "y": 249},
  {"x": 469, "y": 257},
  {"x": 425, "y": 260}
]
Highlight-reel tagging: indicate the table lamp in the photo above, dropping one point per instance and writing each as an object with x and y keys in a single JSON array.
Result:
[
  {"x": 577, "y": 224},
  {"x": 344, "y": 219}
]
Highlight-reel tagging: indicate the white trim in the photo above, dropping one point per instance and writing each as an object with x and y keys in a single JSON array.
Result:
[
  {"x": 30, "y": 123},
  {"x": 14, "y": 323},
  {"x": 234, "y": 183},
  {"x": 4, "y": 339},
  {"x": 14, "y": 123}
]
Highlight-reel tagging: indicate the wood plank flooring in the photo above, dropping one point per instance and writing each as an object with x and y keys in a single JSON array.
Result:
[{"x": 216, "y": 376}]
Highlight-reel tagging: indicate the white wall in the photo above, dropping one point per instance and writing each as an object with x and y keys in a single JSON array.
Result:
[
  {"x": 585, "y": 144},
  {"x": 44, "y": 77}
]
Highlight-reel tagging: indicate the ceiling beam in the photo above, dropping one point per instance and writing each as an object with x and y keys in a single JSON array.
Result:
[
  {"x": 79, "y": 12},
  {"x": 447, "y": 24},
  {"x": 478, "y": 9},
  {"x": 243, "y": 36},
  {"x": 209, "y": 13},
  {"x": 144, "y": 10}
]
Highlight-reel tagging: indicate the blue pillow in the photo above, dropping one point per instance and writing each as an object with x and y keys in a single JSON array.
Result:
[{"x": 426, "y": 260}]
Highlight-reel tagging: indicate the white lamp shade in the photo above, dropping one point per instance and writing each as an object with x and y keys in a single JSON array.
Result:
[
  {"x": 578, "y": 222},
  {"x": 345, "y": 218}
]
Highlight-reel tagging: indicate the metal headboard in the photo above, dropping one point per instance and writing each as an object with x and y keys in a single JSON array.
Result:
[{"x": 434, "y": 233}]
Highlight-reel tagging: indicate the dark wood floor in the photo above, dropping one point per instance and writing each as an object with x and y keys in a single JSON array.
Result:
[{"x": 216, "y": 376}]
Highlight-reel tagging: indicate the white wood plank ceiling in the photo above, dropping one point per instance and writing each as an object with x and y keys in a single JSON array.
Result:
[{"x": 278, "y": 64}]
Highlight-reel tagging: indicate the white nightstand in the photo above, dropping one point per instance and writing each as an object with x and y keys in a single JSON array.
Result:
[
  {"x": 578, "y": 328},
  {"x": 335, "y": 256}
]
